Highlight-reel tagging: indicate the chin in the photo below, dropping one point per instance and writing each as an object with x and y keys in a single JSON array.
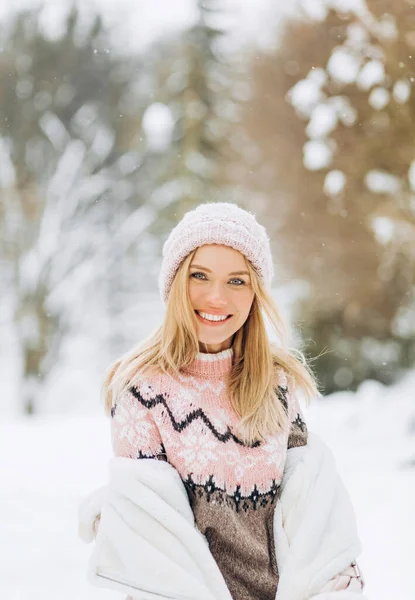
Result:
[
  {"x": 207, "y": 340},
  {"x": 211, "y": 341}
]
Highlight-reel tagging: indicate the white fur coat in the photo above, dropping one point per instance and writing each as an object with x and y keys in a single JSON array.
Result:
[{"x": 148, "y": 546}]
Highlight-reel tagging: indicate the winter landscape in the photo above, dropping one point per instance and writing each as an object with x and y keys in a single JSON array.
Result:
[
  {"x": 50, "y": 463},
  {"x": 115, "y": 118}
]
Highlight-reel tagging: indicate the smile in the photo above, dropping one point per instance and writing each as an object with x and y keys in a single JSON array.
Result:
[{"x": 214, "y": 320}]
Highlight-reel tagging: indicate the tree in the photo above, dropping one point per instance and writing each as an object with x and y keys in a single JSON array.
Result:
[
  {"x": 66, "y": 136},
  {"x": 194, "y": 83},
  {"x": 330, "y": 104}
]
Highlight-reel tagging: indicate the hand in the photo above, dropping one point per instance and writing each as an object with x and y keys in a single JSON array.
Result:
[{"x": 96, "y": 524}]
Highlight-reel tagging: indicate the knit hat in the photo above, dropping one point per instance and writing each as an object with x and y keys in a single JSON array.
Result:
[{"x": 216, "y": 223}]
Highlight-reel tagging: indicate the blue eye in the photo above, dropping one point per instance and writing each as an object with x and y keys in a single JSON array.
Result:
[
  {"x": 202, "y": 277},
  {"x": 241, "y": 281}
]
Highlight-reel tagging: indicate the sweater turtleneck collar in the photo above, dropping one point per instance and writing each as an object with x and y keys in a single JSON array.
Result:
[{"x": 211, "y": 365}]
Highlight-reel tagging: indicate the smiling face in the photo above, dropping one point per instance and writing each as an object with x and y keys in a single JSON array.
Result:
[{"x": 220, "y": 293}]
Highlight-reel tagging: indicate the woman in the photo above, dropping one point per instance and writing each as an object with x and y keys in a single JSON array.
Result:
[{"x": 209, "y": 394}]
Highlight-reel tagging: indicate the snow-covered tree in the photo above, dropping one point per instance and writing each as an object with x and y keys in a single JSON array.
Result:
[
  {"x": 362, "y": 98},
  {"x": 188, "y": 124},
  {"x": 332, "y": 120},
  {"x": 68, "y": 160}
]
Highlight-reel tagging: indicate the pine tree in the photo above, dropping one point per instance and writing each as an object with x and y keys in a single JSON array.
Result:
[{"x": 194, "y": 84}]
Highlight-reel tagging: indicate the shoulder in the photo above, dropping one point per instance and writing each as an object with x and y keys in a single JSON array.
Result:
[
  {"x": 289, "y": 396},
  {"x": 134, "y": 427},
  {"x": 284, "y": 384},
  {"x": 149, "y": 382},
  {"x": 147, "y": 389}
]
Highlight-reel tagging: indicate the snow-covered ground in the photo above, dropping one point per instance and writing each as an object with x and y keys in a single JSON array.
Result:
[{"x": 49, "y": 463}]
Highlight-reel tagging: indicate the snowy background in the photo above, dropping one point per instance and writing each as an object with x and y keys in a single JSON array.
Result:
[
  {"x": 49, "y": 464},
  {"x": 109, "y": 131}
]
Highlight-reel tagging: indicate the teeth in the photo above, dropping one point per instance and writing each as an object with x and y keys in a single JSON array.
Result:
[{"x": 212, "y": 317}]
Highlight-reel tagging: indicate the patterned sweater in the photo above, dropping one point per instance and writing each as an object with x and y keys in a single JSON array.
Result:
[{"x": 232, "y": 487}]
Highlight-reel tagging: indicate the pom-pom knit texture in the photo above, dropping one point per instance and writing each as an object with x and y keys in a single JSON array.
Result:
[{"x": 216, "y": 223}]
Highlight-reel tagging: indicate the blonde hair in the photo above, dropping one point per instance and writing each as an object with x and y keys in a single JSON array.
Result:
[{"x": 252, "y": 381}]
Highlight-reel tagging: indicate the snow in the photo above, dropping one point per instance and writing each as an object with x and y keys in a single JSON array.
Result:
[
  {"x": 403, "y": 324},
  {"x": 343, "y": 377},
  {"x": 42, "y": 100},
  {"x": 381, "y": 182},
  {"x": 314, "y": 9},
  {"x": 158, "y": 125},
  {"x": 387, "y": 27},
  {"x": 343, "y": 66},
  {"x": 372, "y": 73},
  {"x": 323, "y": 121},
  {"x": 345, "y": 6},
  {"x": 411, "y": 175},
  {"x": 138, "y": 23},
  {"x": 129, "y": 162},
  {"x": 318, "y": 9},
  {"x": 347, "y": 114},
  {"x": 7, "y": 171},
  {"x": 357, "y": 36},
  {"x": 49, "y": 464},
  {"x": 372, "y": 436},
  {"x": 317, "y": 154},
  {"x": 24, "y": 89},
  {"x": 54, "y": 130},
  {"x": 383, "y": 228},
  {"x": 401, "y": 91},
  {"x": 379, "y": 98},
  {"x": 306, "y": 94},
  {"x": 334, "y": 182}
]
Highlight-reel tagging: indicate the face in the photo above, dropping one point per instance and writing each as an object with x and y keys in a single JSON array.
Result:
[{"x": 219, "y": 288}]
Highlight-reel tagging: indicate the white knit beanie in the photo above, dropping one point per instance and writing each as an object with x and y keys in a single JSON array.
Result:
[{"x": 216, "y": 223}]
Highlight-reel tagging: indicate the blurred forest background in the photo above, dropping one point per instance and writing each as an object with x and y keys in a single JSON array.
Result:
[{"x": 103, "y": 149}]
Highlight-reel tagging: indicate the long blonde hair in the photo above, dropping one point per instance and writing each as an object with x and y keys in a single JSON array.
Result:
[{"x": 252, "y": 380}]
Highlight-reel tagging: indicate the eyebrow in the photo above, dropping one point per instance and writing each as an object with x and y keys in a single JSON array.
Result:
[{"x": 209, "y": 271}]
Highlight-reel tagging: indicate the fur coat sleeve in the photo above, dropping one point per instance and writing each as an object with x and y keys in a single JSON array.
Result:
[
  {"x": 314, "y": 525},
  {"x": 148, "y": 546}
]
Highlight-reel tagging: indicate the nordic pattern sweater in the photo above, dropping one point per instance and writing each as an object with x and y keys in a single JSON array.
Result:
[{"x": 232, "y": 487}]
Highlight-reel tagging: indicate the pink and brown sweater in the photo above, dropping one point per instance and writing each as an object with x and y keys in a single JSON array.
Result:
[{"x": 232, "y": 487}]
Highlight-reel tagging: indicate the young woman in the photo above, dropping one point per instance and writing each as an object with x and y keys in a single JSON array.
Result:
[{"x": 211, "y": 395}]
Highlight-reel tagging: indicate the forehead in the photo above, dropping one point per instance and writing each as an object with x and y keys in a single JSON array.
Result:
[{"x": 219, "y": 258}]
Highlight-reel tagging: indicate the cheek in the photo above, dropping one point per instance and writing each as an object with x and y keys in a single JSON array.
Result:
[
  {"x": 245, "y": 305},
  {"x": 193, "y": 295}
]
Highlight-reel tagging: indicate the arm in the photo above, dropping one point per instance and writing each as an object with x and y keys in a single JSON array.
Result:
[
  {"x": 349, "y": 579},
  {"x": 298, "y": 433},
  {"x": 134, "y": 432}
]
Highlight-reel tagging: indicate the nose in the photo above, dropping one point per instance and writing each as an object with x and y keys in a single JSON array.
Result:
[{"x": 216, "y": 296}]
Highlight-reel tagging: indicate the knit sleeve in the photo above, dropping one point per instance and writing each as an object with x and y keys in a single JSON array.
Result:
[
  {"x": 298, "y": 429},
  {"x": 134, "y": 432}
]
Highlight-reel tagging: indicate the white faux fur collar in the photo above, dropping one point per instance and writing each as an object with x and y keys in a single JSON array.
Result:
[{"x": 147, "y": 540}]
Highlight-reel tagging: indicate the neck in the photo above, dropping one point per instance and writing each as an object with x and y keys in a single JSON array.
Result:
[
  {"x": 215, "y": 348},
  {"x": 212, "y": 349},
  {"x": 209, "y": 364}
]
